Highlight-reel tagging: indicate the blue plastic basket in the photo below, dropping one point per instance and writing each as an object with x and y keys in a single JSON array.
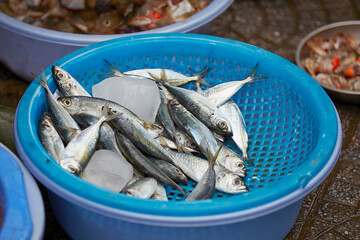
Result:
[{"x": 294, "y": 139}]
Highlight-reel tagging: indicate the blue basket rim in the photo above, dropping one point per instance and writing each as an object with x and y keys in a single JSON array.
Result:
[
  {"x": 301, "y": 183},
  {"x": 215, "y": 8}
]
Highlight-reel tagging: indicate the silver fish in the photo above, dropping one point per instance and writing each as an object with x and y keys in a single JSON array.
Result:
[
  {"x": 220, "y": 93},
  {"x": 136, "y": 176},
  {"x": 194, "y": 128},
  {"x": 163, "y": 116},
  {"x": 231, "y": 161},
  {"x": 240, "y": 136},
  {"x": 169, "y": 169},
  {"x": 160, "y": 192},
  {"x": 80, "y": 149},
  {"x": 195, "y": 167},
  {"x": 205, "y": 188},
  {"x": 50, "y": 138},
  {"x": 142, "y": 188},
  {"x": 93, "y": 106},
  {"x": 168, "y": 143},
  {"x": 142, "y": 163},
  {"x": 202, "y": 108},
  {"x": 62, "y": 120},
  {"x": 66, "y": 84},
  {"x": 107, "y": 138}
]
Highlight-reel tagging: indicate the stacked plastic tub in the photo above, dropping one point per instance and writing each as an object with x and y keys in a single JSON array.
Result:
[
  {"x": 294, "y": 133},
  {"x": 22, "y": 209},
  {"x": 27, "y": 48}
]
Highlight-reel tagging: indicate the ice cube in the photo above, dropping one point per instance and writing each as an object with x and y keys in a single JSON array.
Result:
[
  {"x": 109, "y": 170},
  {"x": 139, "y": 95}
]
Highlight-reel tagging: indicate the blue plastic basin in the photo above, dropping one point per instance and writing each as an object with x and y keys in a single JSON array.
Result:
[
  {"x": 294, "y": 139},
  {"x": 26, "y": 48},
  {"x": 22, "y": 209}
]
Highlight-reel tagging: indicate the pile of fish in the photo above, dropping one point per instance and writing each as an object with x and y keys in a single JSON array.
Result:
[
  {"x": 101, "y": 16},
  {"x": 335, "y": 62},
  {"x": 186, "y": 139}
]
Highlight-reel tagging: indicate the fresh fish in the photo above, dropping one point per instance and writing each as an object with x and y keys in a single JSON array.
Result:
[
  {"x": 195, "y": 128},
  {"x": 195, "y": 167},
  {"x": 168, "y": 143},
  {"x": 202, "y": 109},
  {"x": 142, "y": 188},
  {"x": 93, "y": 106},
  {"x": 66, "y": 84},
  {"x": 174, "y": 78},
  {"x": 136, "y": 176},
  {"x": 62, "y": 120},
  {"x": 169, "y": 169},
  {"x": 128, "y": 123},
  {"x": 186, "y": 141},
  {"x": 50, "y": 138},
  {"x": 140, "y": 137},
  {"x": 220, "y": 93},
  {"x": 231, "y": 161},
  {"x": 142, "y": 163},
  {"x": 205, "y": 188},
  {"x": 160, "y": 192},
  {"x": 107, "y": 138},
  {"x": 165, "y": 119},
  {"x": 240, "y": 136},
  {"x": 80, "y": 149},
  {"x": 163, "y": 115}
]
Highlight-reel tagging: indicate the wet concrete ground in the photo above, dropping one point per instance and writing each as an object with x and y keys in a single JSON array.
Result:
[{"x": 331, "y": 211}]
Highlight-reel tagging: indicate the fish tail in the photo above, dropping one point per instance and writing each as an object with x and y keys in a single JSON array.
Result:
[
  {"x": 246, "y": 159},
  {"x": 114, "y": 70},
  {"x": 200, "y": 76},
  {"x": 43, "y": 81},
  {"x": 252, "y": 75}
]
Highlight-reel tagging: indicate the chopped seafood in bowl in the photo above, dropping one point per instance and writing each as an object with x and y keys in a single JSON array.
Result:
[{"x": 101, "y": 16}]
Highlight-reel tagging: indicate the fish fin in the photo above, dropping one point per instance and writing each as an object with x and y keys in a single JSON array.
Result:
[
  {"x": 212, "y": 161},
  {"x": 108, "y": 115},
  {"x": 154, "y": 77},
  {"x": 74, "y": 131},
  {"x": 149, "y": 125},
  {"x": 115, "y": 71},
  {"x": 43, "y": 81}
]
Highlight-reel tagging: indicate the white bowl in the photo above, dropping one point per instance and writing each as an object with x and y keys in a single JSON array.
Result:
[{"x": 327, "y": 31}]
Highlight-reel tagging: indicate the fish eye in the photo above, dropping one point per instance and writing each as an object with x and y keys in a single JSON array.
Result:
[
  {"x": 222, "y": 124},
  {"x": 240, "y": 165},
  {"x": 67, "y": 102},
  {"x": 72, "y": 169},
  {"x": 236, "y": 181},
  {"x": 60, "y": 75},
  {"x": 193, "y": 145},
  {"x": 128, "y": 193},
  {"x": 114, "y": 111}
]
